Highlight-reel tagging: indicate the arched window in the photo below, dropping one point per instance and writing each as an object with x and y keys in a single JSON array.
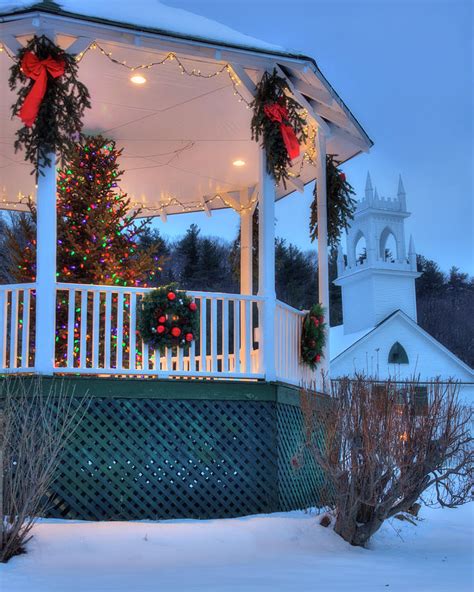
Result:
[
  {"x": 397, "y": 354},
  {"x": 388, "y": 246},
  {"x": 360, "y": 249}
]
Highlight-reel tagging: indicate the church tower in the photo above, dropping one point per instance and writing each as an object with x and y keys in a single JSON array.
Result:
[{"x": 378, "y": 274}]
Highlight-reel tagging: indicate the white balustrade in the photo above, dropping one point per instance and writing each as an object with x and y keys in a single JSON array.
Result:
[
  {"x": 96, "y": 333},
  {"x": 17, "y": 310},
  {"x": 101, "y": 337},
  {"x": 288, "y": 327}
]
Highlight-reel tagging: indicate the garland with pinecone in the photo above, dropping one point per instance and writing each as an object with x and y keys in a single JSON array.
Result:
[
  {"x": 51, "y": 101},
  {"x": 313, "y": 336},
  {"x": 278, "y": 123},
  {"x": 168, "y": 318},
  {"x": 340, "y": 204}
]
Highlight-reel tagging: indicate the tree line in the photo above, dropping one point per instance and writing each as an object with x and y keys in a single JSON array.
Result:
[{"x": 445, "y": 301}]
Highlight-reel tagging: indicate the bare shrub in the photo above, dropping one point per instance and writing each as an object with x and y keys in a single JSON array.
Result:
[
  {"x": 35, "y": 424},
  {"x": 384, "y": 449}
]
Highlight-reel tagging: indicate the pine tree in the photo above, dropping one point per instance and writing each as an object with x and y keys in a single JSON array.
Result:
[{"x": 97, "y": 232}]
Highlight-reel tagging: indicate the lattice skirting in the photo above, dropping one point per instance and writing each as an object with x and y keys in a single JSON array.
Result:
[{"x": 154, "y": 458}]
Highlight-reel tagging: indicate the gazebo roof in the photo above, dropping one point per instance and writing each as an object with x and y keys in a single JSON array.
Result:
[{"x": 181, "y": 134}]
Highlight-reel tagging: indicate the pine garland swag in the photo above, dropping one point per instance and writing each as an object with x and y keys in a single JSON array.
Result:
[
  {"x": 340, "y": 204},
  {"x": 59, "y": 119},
  {"x": 313, "y": 336},
  {"x": 168, "y": 318},
  {"x": 271, "y": 91}
]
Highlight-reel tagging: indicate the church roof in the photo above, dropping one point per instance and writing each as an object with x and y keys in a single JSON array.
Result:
[{"x": 352, "y": 340}]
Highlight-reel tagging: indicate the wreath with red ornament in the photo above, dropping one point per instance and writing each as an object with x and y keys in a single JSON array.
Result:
[
  {"x": 313, "y": 336},
  {"x": 51, "y": 101},
  {"x": 278, "y": 123},
  {"x": 168, "y": 318}
]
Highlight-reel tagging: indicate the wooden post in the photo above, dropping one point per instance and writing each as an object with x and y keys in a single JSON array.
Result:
[
  {"x": 46, "y": 269},
  {"x": 323, "y": 266},
  {"x": 266, "y": 269}
]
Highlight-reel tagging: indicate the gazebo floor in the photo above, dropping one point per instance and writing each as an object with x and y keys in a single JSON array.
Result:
[{"x": 160, "y": 449}]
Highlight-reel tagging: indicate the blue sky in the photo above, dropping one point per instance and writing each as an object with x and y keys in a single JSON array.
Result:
[{"x": 405, "y": 69}]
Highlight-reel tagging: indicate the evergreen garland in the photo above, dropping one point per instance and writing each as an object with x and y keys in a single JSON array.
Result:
[
  {"x": 313, "y": 336},
  {"x": 272, "y": 90},
  {"x": 340, "y": 205},
  {"x": 61, "y": 111},
  {"x": 168, "y": 318}
]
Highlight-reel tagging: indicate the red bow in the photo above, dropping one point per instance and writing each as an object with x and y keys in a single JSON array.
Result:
[
  {"x": 38, "y": 70},
  {"x": 279, "y": 113}
]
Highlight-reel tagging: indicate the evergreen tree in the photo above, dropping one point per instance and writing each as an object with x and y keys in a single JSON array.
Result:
[
  {"x": 188, "y": 252},
  {"x": 97, "y": 231}
]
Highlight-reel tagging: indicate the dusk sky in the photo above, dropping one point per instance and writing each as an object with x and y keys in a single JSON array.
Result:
[{"x": 405, "y": 69}]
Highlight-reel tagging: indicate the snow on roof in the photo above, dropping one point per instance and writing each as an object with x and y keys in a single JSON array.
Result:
[
  {"x": 152, "y": 14},
  {"x": 339, "y": 341}
]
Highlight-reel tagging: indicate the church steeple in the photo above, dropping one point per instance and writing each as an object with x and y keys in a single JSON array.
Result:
[{"x": 377, "y": 279}]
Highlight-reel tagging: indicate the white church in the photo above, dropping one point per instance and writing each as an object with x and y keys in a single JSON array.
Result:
[{"x": 380, "y": 336}]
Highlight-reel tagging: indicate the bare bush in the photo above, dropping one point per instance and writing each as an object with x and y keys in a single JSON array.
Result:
[
  {"x": 384, "y": 449},
  {"x": 36, "y": 423}
]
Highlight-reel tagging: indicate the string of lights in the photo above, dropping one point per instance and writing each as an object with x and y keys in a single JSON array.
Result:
[
  {"x": 170, "y": 57},
  {"x": 193, "y": 206}
]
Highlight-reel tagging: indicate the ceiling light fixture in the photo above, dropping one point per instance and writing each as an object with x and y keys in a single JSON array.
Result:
[
  {"x": 138, "y": 79},
  {"x": 239, "y": 163}
]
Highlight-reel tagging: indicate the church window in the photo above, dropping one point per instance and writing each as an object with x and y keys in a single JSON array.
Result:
[{"x": 397, "y": 354}]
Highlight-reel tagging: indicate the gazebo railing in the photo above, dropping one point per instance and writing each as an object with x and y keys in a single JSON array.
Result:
[
  {"x": 105, "y": 340},
  {"x": 96, "y": 333},
  {"x": 17, "y": 313}
]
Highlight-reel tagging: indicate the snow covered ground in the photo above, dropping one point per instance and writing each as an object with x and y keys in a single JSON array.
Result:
[{"x": 278, "y": 553}]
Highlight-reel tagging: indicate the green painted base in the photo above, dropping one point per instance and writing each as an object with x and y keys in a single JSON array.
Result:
[{"x": 155, "y": 449}]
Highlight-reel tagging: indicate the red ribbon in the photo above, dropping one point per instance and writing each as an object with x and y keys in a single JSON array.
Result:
[
  {"x": 38, "y": 70},
  {"x": 279, "y": 113}
]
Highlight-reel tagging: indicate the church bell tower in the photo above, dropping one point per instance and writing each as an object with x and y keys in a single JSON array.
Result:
[{"x": 377, "y": 276}]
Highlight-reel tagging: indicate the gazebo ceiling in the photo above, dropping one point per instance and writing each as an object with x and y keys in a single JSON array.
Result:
[{"x": 181, "y": 134}]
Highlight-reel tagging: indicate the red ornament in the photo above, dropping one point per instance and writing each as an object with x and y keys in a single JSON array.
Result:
[
  {"x": 171, "y": 295},
  {"x": 315, "y": 321},
  {"x": 189, "y": 337},
  {"x": 342, "y": 176},
  {"x": 160, "y": 329},
  {"x": 193, "y": 306},
  {"x": 175, "y": 331},
  {"x": 162, "y": 319},
  {"x": 317, "y": 359},
  {"x": 38, "y": 70}
]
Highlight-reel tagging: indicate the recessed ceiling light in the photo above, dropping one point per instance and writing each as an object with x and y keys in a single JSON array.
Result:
[
  {"x": 239, "y": 163},
  {"x": 138, "y": 79}
]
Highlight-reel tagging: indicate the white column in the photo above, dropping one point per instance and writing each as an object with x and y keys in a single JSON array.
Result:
[
  {"x": 246, "y": 246},
  {"x": 46, "y": 269},
  {"x": 323, "y": 267},
  {"x": 266, "y": 268}
]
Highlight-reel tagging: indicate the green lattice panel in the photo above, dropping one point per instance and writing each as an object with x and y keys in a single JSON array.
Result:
[
  {"x": 156, "y": 459},
  {"x": 302, "y": 487}
]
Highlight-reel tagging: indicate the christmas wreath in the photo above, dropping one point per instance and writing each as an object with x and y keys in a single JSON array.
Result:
[
  {"x": 279, "y": 122},
  {"x": 340, "y": 205},
  {"x": 51, "y": 100},
  {"x": 313, "y": 336},
  {"x": 168, "y": 318}
]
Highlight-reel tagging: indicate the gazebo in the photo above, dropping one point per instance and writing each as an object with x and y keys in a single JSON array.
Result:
[
  {"x": 173, "y": 89},
  {"x": 185, "y": 129}
]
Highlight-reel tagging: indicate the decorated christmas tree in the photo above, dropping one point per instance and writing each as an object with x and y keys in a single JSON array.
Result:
[{"x": 98, "y": 232}]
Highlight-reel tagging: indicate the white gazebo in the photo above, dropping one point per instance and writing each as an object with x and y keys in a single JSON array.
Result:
[{"x": 185, "y": 130}]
